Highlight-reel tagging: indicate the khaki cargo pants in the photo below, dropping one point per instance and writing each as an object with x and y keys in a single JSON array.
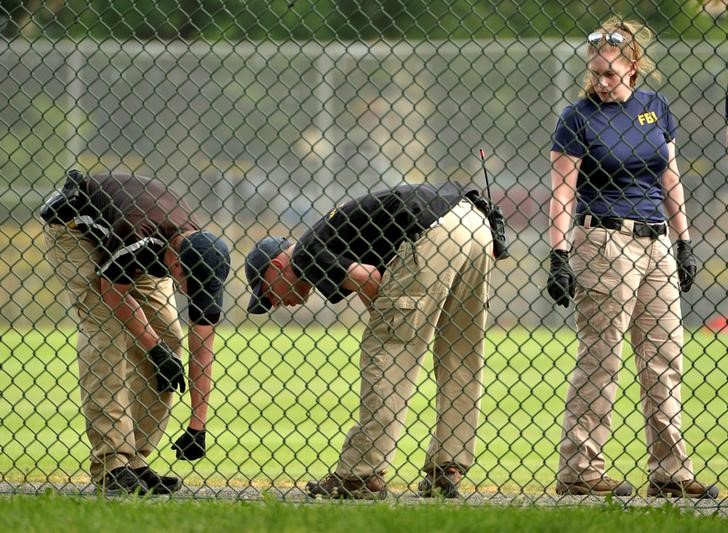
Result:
[
  {"x": 624, "y": 284},
  {"x": 125, "y": 415},
  {"x": 437, "y": 288}
]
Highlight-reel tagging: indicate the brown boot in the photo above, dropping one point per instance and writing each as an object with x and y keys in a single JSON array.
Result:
[
  {"x": 336, "y": 487},
  {"x": 442, "y": 482},
  {"x": 602, "y": 486},
  {"x": 691, "y": 488}
]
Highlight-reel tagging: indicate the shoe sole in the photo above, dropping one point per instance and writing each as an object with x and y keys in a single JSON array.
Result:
[
  {"x": 122, "y": 492},
  {"x": 349, "y": 495},
  {"x": 583, "y": 491},
  {"x": 677, "y": 493},
  {"x": 163, "y": 490}
]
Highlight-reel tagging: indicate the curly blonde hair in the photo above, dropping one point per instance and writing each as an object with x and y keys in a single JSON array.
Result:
[{"x": 636, "y": 39}]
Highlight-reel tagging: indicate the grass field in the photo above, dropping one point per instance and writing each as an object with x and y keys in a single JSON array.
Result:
[
  {"x": 284, "y": 398},
  {"x": 51, "y": 513}
]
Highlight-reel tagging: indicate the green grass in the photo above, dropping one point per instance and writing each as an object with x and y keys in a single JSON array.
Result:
[
  {"x": 51, "y": 513},
  {"x": 285, "y": 397}
]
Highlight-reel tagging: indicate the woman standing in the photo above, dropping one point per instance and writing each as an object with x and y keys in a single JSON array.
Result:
[{"x": 613, "y": 157}]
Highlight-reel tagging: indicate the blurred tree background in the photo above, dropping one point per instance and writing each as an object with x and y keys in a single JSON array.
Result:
[
  {"x": 348, "y": 20},
  {"x": 269, "y": 111}
]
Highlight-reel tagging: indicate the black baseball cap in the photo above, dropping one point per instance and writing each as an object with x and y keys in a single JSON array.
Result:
[
  {"x": 205, "y": 259},
  {"x": 256, "y": 264}
]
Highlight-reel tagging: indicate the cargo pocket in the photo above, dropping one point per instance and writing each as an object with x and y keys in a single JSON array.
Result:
[
  {"x": 589, "y": 245},
  {"x": 396, "y": 320},
  {"x": 586, "y": 254}
]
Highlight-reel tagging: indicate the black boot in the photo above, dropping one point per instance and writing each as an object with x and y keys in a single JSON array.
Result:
[
  {"x": 158, "y": 484},
  {"x": 122, "y": 480}
]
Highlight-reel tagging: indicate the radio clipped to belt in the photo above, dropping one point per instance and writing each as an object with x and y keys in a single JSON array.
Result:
[
  {"x": 62, "y": 206},
  {"x": 495, "y": 217}
]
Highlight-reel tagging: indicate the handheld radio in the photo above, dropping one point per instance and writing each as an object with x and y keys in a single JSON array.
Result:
[{"x": 495, "y": 218}]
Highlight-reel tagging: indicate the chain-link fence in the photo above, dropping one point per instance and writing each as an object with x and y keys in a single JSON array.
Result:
[{"x": 264, "y": 117}]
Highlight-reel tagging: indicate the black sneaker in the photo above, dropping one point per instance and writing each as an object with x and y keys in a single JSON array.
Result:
[
  {"x": 122, "y": 480},
  {"x": 158, "y": 484}
]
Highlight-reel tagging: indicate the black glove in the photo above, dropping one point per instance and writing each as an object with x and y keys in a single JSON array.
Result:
[
  {"x": 168, "y": 368},
  {"x": 687, "y": 267},
  {"x": 561, "y": 283},
  {"x": 191, "y": 445}
]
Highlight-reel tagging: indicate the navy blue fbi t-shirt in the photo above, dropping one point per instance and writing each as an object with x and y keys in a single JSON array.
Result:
[
  {"x": 368, "y": 230},
  {"x": 623, "y": 148}
]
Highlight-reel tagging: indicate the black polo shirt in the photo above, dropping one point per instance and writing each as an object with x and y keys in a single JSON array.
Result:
[{"x": 368, "y": 230}]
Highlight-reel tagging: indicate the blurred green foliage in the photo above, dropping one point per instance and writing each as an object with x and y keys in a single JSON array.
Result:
[{"x": 236, "y": 20}]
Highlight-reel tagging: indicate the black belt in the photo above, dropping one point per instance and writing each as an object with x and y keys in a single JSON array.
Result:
[
  {"x": 641, "y": 229},
  {"x": 58, "y": 222}
]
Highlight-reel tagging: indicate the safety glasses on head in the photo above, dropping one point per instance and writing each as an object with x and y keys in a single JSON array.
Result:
[{"x": 612, "y": 38}]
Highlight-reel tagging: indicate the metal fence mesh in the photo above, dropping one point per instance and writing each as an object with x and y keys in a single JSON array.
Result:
[{"x": 264, "y": 117}]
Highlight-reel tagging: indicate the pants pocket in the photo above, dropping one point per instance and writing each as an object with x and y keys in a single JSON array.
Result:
[
  {"x": 589, "y": 244},
  {"x": 396, "y": 320},
  {"x": 614, "y": 246},
  {"x": 589, "y": 261}
]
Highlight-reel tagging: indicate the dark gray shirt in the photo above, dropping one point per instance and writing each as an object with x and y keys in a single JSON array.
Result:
[{"x": 132, "y": 219}]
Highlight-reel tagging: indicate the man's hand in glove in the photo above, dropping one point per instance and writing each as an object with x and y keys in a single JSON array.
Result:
[
  {"x": 191, "y": 445},
  {"x": 169, "y": 372},
  {"x": 561, "y": 282},
  {"x": 687, "y": 267}
]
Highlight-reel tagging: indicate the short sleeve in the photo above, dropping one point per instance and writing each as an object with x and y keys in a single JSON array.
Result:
[
  {"x": 667, "y": 119},
  {"x": 127, "y": 255},
  {"x": 568, "y": 137}
]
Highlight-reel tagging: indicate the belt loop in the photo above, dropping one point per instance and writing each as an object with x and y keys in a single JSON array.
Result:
[
  {"x": 587, "y": 221},
  {"x": 627, "y": 227}
]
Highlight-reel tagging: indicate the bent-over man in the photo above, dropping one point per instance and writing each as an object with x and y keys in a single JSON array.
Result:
[
  {"x": 119, "y": 243},
  {"x": 418, "y": 256}
]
